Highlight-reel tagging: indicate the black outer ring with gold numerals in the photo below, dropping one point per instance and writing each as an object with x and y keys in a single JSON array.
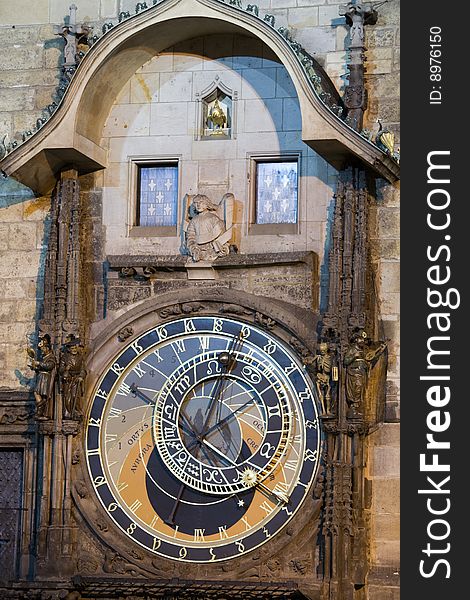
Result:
[{"x": 290, "y": 390}]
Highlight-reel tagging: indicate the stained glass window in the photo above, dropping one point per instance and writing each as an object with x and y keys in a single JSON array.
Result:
[
  {"x": 157, "y": 195},
  {"x": 276, "y": 192}
]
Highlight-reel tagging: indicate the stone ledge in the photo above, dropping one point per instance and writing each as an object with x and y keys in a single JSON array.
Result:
[
  {"x": 171, "y": 263},
  {"x": 8, "y": 395}
]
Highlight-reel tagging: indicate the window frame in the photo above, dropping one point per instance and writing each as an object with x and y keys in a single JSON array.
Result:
[
  {"x": 255, "y": 228},
  {"x": 135, "y": 164}
]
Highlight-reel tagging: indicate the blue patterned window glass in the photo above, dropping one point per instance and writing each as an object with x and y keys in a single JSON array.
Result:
[
  {"x": 276, "y": 192},
  {"x": 158, "y": 195}
]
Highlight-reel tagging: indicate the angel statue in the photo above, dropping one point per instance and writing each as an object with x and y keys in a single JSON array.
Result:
[
  {"x": 209, "y": 227},
  {"x": 45, "y": 366}
]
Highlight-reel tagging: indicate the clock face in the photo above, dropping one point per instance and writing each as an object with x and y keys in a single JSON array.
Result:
[{"x": 203, "y": 438}]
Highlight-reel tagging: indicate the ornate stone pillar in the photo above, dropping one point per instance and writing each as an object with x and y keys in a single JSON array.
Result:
[
  {"x": 359, "y": 392},
  {"x": 355, "y": 98}
]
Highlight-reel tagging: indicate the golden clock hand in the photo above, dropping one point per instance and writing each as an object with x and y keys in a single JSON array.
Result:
[
  {"x": 227, "y": 360},
  {"x": 251, "y": 477}
]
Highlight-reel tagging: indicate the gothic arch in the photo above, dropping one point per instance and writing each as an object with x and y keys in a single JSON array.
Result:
[{"x": 72, "y": 135}]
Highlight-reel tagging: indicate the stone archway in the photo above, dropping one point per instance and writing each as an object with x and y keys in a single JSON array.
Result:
[{"x": 71, "y": 136}]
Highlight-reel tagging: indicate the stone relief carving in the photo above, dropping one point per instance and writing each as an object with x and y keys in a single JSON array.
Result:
[
  {"x": 208, "y": 227},
  {"x": 265, "y": 321},
  {"x": 44, "y": 364},
  {"x": 178, "y": 309},
  {"x": 125, "y": 333}
]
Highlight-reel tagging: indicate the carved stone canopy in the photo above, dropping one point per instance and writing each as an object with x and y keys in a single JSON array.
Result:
[{"x": 73, "y": 134}]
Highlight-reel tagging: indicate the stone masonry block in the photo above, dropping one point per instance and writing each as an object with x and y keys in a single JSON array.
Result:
[
  {"x": 22, "y": 236},
  {"x": 378, "y": 37},
  {"x": 88, "y": 10},
  {"x": 19, "y": 264},
  {"x": 385, "y": 462},
  {"x": 390, "y": 276},
  {"x": 303, "y": 17},
  {"x": 328, "y": 15},
  {"x": 386, "y": 495},
  {"x": 53, "y": 58},
  {"x": 386, "y": 527},
  {"x": 389, "y": 222},
  {"x": 258, "y": 83},
  {"x": 379, "y": 66},
  {"x": 23, "y": 57},
  {"x": 263, "y": 115},
  {"x": 4, "y": 228},
  {"x": 144, "y": 88},
  {"x": 283, "y": 3},
  {"x": 319, "y": 40},
  {"x": 130, "y": 119},
  {"x": 175, "y": 87},
  {"x": 24, "y": 11},
  {"x": 16, "y": 99},
  {"x": 386, "y": 552},
  {"x": 310, "y": 2},
  {"x": 387, "y": 435},
  {"x": 390, "y": 303},
  {"x": 15, "y": 331},
  {"x": 213, "y": 172},
  {"x": 30, "y": 78},
  {"x": 10, "y": 36},
  {"x": 108, "y": 8},
  {"x": 169, "y": 116},
  {"x": 44, "y": 96}
]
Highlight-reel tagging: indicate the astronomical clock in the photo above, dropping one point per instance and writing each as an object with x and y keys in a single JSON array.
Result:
[
  {"x": 203, "y": 438},
  {"x": 206, "y": 357}
]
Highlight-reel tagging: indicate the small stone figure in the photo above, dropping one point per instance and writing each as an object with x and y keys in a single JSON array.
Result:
[
  {"x": 358, "y": 360},
  {"x": 210, "y": 229},
  {"x": 72, "y": 376},
  {"x": 324, "y": 369},
  {"x": 45, "y": 368},
  {"x": 357, "y": 15},
  {"x": 74, "y": 36}
]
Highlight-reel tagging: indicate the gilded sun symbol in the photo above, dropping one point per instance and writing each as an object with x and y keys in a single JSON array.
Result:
[{"x": 249, "y": 477}]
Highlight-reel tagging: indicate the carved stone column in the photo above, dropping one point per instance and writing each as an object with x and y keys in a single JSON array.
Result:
[
  {"x": 355, "y": 98},
  {"x": 62, "y": 278},
  {"x": 361, "y": 363},
  {"x": 64, "y": 319}
]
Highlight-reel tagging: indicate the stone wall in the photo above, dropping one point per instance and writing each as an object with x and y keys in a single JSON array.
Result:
[{"x": 22, "y": 247}]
